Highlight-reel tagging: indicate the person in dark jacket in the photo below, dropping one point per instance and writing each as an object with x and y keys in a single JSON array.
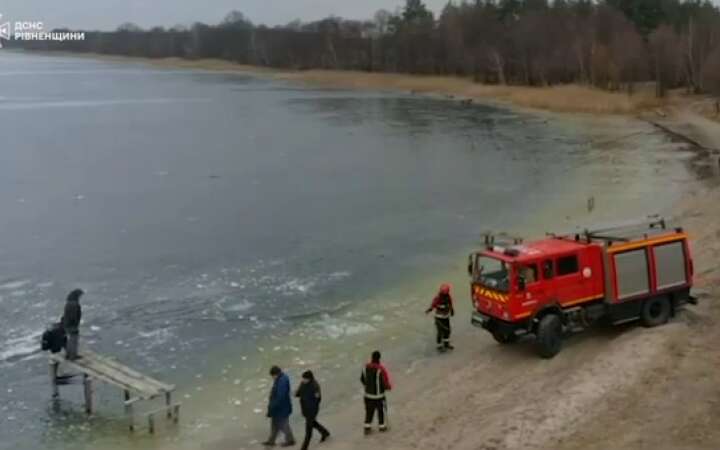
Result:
[
  {"x": 310, "y": 397},
  {"x": 71, "y": 323},
  {"x": 442, "y": 304},
  {"x": 376, "y": 381},
  {"x": 280, "y": 408}
]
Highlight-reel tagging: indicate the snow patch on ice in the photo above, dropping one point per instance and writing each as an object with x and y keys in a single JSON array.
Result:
[
  {"x": 336, "y": 328},
  {"x": 13, "y": 285},
  {"x": 241, "y": 306},
  {"x": 21, "y": 346}
]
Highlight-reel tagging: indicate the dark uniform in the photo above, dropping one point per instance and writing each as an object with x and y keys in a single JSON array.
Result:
[
  {"x": 71, "y": 323},
  {"x": 442, "y": 304},
  {"x": 376, "y": 381},
  {"x": 310, "y": 396}
]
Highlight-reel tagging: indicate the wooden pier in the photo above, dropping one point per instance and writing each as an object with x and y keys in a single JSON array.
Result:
[{"x": 135, "y": 386}]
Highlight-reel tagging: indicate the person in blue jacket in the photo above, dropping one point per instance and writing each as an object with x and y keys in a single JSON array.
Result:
[{"x": 280, "y": 408}]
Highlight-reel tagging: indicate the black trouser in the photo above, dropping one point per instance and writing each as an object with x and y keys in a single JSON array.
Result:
[
  {"x": 310, "y": 424},
  {"x": 372, "y": 405},
  {"x": 71, "y": 348},
  {"x": 443, "y": 331}
]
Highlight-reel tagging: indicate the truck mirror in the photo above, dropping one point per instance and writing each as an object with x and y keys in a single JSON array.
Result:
[{"x": 470, "y": 265}]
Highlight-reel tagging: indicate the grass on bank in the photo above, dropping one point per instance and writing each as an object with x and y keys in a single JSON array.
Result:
[{"x": 561, "y": 98}]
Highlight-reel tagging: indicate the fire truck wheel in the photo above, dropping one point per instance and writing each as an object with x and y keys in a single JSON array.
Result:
[
  {"x": 504, "y": 338},
  {"x": 655, "y": 311},
  {"x": 549, "y": 336}
]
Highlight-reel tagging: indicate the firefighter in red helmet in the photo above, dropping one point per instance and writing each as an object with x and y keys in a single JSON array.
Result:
[{"x": 442, "y": 304}]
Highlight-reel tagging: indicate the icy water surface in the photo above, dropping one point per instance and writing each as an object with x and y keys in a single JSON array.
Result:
[{"x": 220, "y": 223}]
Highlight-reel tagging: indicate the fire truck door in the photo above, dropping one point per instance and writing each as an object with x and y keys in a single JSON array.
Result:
[
  {"x": 534, "y": 287},
  {"x": 569, "y": 283}
]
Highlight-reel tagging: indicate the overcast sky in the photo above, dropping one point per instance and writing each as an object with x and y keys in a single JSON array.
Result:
[{"x": 108, "y": 14}]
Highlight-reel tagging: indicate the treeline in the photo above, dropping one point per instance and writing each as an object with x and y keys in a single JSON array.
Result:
[{"x": 611, "y": 44}]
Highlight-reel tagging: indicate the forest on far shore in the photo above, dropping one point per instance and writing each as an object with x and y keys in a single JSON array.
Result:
[{"x": 609, "y": 44}]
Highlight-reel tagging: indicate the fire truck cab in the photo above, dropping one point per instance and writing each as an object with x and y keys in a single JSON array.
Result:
[{"x": 565, "y": 283}]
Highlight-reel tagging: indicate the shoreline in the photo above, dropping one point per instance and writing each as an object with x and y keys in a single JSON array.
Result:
[
  {"x": 563, "y": 99},
  {"x": 570, "y": 98}
]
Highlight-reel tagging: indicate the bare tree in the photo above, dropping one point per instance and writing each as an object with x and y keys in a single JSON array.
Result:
[
  {"x": 382, "y": 21},
  {"x": 129, "y": 27},
  {"x": 666, "y": 56},
  {"x": 611, "y": 44},
  {"x": 711, "y": 76},
  {"x": 236, "y": 20}
]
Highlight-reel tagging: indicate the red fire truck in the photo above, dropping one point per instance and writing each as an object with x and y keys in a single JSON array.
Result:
[{"x": 565, "y": 283}]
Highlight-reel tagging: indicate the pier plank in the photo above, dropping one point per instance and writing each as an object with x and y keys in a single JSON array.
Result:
[{"x": 116, "y": 374}]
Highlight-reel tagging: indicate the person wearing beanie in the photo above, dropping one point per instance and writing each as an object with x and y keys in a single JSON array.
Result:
[
  {"x": 310, "y": 396},
  {"x": 71, "y": 323}
]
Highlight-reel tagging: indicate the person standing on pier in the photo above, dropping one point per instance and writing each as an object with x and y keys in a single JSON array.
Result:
[
  {"x": 71, "y": 323},
  {"x": 442, "y": 304},
  {"x": 309, "y": 394},
  {"x": 280, "y": 408}
]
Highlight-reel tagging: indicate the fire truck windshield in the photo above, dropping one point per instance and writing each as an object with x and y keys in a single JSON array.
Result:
[{"x": 492, "y": 273}]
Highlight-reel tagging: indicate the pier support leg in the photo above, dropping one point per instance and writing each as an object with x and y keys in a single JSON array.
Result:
[
  {"x": 168, "y": 404},
  {"x": 53, "y": 379},
  {"x": 151, "y": 423},
  {"x": 176, "y": 414},
  {"x": 87, "y": 385},
  {"x": 129, "y": 412}
]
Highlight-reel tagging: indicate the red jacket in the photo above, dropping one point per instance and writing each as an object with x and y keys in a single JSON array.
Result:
[
  {"x": 376, "y": 380},
  {"x": 443, "y": 306}
]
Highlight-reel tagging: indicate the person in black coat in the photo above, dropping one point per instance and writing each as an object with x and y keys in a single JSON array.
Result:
[
  {"x": 309, "y": 394},
  {"x": 71, "y": 323}
]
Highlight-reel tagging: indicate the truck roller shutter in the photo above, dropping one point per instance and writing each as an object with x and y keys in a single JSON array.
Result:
[
  {"x": 633, "y": 277},
  {"x": 670, "y": 265}
]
